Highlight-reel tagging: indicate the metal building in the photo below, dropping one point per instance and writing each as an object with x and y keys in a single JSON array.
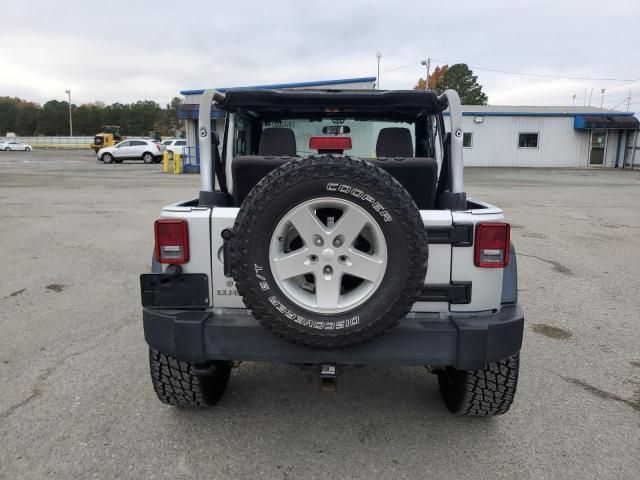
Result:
[
  {"x": 499, "y": 136},
  {"x": 515, "y": 136}
]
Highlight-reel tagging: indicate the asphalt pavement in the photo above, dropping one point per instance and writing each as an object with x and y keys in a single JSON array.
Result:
[{"x": 76, "y": 399}]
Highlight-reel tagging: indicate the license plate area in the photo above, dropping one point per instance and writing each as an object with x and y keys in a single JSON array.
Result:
[{"x": 186, "y": 290}]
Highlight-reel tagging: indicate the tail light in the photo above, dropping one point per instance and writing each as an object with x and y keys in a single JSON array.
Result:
[
  {"x": 172, "y": 240},
  {"x": 330, "y": 143},
  {"x": 492, "y": 245}
]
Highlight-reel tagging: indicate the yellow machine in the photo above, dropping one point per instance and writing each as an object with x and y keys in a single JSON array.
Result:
[{"x": 109, "y": 136}]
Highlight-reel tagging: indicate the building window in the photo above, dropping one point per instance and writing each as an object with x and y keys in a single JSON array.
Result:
[
  {"x": 528, "y": 140},
  {"x": 467, "y": 139}
]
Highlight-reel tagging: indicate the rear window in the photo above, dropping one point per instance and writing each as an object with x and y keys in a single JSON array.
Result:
[
  {"x": 181, "y": 143},
  {"x": 167, "y": 142}
]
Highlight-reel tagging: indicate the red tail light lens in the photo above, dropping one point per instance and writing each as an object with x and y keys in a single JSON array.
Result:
[
  {"x": 172, "y": 241},
  {"x": 492, "y": 245},
  {"x": 330, "y": 143}
]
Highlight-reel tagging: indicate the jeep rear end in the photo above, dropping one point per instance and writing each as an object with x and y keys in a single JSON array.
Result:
[{"x": 297, "y": 253}]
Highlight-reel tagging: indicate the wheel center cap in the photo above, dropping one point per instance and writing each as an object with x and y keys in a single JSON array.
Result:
[{"x": 328, "y": 254}]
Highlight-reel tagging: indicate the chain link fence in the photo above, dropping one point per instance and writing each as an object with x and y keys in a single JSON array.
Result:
[{"x": 52, "y": 142}]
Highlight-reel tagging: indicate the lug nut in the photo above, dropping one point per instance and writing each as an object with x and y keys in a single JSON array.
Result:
[
  {"x": 337, "y": 242},
  {"x": 317, "y": 240},
  {"x": 327, "y": 270}
]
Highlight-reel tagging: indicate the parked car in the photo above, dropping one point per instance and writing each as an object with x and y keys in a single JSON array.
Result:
[
  {"x": 320, "y": 260},
  {"x": 176, "y": 145},
  {"x": 10, "y": 145},
  {"x": 148, "y": 151}
]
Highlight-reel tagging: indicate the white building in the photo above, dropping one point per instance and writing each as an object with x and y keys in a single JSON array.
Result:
[
  {"x": 497, "y": 136},
  {"x": 514, "y": 136}
]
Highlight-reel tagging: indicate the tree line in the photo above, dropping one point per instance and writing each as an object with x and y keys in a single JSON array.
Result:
[
  {"x": 458, "y": 77},
  {"x": 52, "y": 118}
]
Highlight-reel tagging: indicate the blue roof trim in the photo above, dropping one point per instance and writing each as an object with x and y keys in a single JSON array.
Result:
[
  {"x": 320, "y": 83},
  {"x": 194, "y": 114},
  {"x": 540, "y": 114}
]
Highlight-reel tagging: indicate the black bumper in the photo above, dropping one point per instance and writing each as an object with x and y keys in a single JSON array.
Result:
[{"x": 464, "y": 342}]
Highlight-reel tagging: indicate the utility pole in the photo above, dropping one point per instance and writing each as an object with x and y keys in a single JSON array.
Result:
[
  {"x": 629, "y": 101},
  {"x": 573, "y": 98},
  {"x": 602, "y": 99},
  {"x": 68, "y": 92},
  {"x": 378, "y": 56},
  {"x": 427, "y": 63}
]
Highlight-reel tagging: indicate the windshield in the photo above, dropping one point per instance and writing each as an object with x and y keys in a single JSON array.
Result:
[{"x": 364, "y": 134}]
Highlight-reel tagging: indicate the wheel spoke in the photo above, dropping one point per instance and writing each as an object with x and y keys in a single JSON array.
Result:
[
  {"x": 366, "y": 267},
  {"x": 307, "y": 224},
  {"x": 349, "y": 225},
  {"x": 292, "y": 264},
  {"x": 328, "y": 290}
]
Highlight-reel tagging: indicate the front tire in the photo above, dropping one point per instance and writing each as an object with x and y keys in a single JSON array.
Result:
[
  {"x": 147, "y": 157},
  {"x": 28, "y": 149},
  {"x": 481, "y": 393},
  {"x": 183, "y": 384},
  {"x": 107, "y": 158}
]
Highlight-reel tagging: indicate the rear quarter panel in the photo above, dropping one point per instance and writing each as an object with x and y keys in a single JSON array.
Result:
[{"x": 486, "y": 287}]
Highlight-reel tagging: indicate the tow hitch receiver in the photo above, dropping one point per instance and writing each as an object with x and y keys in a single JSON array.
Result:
[{"x": 328, "y": 378}]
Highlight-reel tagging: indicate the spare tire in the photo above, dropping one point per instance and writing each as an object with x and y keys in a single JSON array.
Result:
[{"x": 328, "y": 251}]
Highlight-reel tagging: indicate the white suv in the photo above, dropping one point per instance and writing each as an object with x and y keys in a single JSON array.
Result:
[
  {"x": 148, "y": 151},
  {"x": 176, "y": 145}
]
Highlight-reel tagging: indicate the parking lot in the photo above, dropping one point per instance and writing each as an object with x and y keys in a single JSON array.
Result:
[{"x": 75, "y": 394}]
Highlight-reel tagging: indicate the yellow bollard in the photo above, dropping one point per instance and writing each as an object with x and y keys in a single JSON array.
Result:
[
  {"x": 177, "y": 163},
  {"x": 165, "y": 161}
]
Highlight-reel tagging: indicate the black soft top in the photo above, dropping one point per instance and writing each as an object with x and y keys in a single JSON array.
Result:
[{"x": 275, "y": 104}]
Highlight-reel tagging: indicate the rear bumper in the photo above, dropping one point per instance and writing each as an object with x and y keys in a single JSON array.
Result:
[{"x": 464, "y": 342}]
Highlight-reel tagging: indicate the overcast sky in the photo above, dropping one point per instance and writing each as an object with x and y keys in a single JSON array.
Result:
[{"x": 124, "y": 51}]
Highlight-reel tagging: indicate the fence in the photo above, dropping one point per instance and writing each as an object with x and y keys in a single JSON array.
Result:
[{"x": 53, "y": 142}]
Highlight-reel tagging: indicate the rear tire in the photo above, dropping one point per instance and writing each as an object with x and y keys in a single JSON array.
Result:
[
  {"x": 147, "y": 157},
  {"x": 183, "y": 384},
  {"x": 480, "y": 393},
  {"x": 107, "y": 158},
  {"x": 28, "y": 149}
]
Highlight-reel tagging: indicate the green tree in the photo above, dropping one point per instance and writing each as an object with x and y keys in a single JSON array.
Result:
[
  {"x": 171, "y": 116},
  {"x": 27, "y": 118},
  {"x": 8, "y": 114},
  {"x": 88, "y": 118},
  {"x": 460, "y": 78},
  {"x": 54, "y": 118}
]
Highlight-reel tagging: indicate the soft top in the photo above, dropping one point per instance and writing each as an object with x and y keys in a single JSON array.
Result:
[{"x": 327, "y": 103}]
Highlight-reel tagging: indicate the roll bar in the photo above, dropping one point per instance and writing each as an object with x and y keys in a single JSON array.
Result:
[
  {"x": 204, "y": 134},
  {"x": 457, "y": 197},
  {"x": 452, "y": 99}
]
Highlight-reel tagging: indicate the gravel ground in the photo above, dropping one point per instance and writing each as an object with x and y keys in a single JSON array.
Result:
[{"x": 76, "y": 398}]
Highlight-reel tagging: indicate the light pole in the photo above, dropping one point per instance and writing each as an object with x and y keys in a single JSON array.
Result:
[
  {"x": 378, "y": 56},
  {"x": 68, "y": 92},
  {"x": 427, "y": 63},
  {"x": 602, "y": 98}
]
